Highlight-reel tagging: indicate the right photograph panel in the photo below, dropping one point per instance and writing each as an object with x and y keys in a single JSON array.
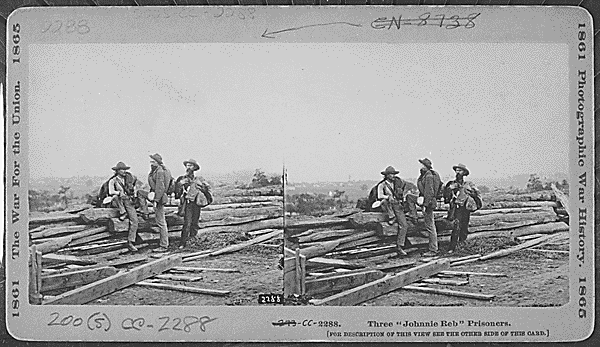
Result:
[{"x": 428, "y": 175}]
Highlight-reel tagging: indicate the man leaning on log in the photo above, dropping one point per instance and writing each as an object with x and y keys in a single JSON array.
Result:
[
  {"x": 123, "y": 193},
  {"x": 193, "y": 194},
  {"x": 463, "y": 198},
  {"x": 160, "y": 181},
  {"x": 390, "y": 194}
]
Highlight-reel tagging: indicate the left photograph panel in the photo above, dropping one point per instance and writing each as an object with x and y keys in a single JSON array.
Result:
[{"x": 153, "y": 177}]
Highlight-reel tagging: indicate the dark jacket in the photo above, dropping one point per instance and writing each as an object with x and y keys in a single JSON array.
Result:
[
  {"x": 459, "y": 193},
  {"x": 159, "y": 180},
  {"x": 428, "y": 185}
]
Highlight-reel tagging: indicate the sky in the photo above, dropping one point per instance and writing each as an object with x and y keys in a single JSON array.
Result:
[{"x": 328, "y": 112}]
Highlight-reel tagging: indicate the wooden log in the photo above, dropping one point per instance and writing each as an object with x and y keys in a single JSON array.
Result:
[
  {"x": 511, "y": 210},
  {"x": 511, "y": 225},
  {"x": 511, "y": 217},
  {"x": 76, "y": 278},
  {"x": 289, "y": 276},
  {"x": 180, "y": 288},
  {"x": 353, "y": 244},
  {"x": 470, "y": 273},
  {"x": 462, "y": 262},
  {"x": 293, "y": 233},
  {"x": 562, "y": 197},
  {"x": 467, "y": 257},
  {"x": 319, "y": 249},
  {"x": 217, "y": 207},
  {"x": 353, "y": 252},
  {"x": 517, "y": 204},
  {"x": 181, "y": 278},
  {"x": 385, "y": 229},
  {"x": 229, "y": 221},
  {"x": 315, "y": 223},
  {"x": 91, "y": 238},
  {"x": 341, "y": 282},
  {"x": 528, "y": 237},
  {"x": 324, "y": 235},
  {"x": 191, "y": 255},
  {"x": 504, "y": 252},
  {"x": 237, "y": 247},
  {"x": 545, "y": 195},
  {"x": 115, "y": 282},
  {"x": 394, "y": 266},
  {"x": 276, "y": 223},
  {"x": 243, "y": 199},
  {"x": 300, "y": 265},
  {"x": 548, "y": 250},
  {"x": 66, "y": 259},
  {"x": 202, "y": 269},
  {"x": 445, "y": 282},
  {"x": 327, "y": 262},
  {"x": 53, "y": 218},
  {"x": 57, "y": 231},
  {"x": 547, "y": 228},
  {"x": 54, "y": 245},
  {"x": 384, "y": 285},
  {"x": 450, "y": 292},
  {"x": 367, "y": 219},
  {"x": 98, "y": 215}
]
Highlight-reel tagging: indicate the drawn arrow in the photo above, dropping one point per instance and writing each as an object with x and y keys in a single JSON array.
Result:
[{"x": 267, "y": 34}]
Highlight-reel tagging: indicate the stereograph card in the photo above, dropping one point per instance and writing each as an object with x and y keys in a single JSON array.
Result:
[{"x": 282, "y": 129}]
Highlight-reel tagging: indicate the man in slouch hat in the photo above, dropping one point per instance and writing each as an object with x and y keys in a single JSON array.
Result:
[
  {"x": 122, "y": 189},
  {"x": 463, "y": 198},
  {"x": 390, "y": 193},
  {"x": 429, "y": 184},
  {"x": 193, "y": 194},
  {"x": 160, "y": 181}
]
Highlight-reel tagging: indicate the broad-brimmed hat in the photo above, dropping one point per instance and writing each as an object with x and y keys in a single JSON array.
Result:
[
  {"x": 426, "y": 162},
  {"x": 389, "y": 170},
  {"x": 121, "y": 165},
  {"x": 193, "y": 162},
  {"x": 463, "y": 167},
  {"x": 157, "y": 158}
]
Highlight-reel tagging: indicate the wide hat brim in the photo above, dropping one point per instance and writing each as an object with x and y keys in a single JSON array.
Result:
[
  {"x": 464, "y": 168},
  {"x": 121, "y": 168},
  {"x": 426, "y": 163},
  {"x": 196, "y": 165},
  {"x": 390, "y": 172},
  {"x": 156, "y": 158}
]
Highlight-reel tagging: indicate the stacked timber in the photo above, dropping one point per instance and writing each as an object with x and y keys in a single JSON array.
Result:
[
  {"x": 329, "y": 256},
  {"x": 86, "y": 244}
]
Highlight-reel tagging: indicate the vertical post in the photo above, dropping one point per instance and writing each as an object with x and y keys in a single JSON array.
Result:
[
  {"x": 298, "y": 268},
  {"x": 289, "y": 272},
  {"x": 302, "y": 274},
  {"x": 35, "y": 297},
  {"x": 38, "y": 261}
]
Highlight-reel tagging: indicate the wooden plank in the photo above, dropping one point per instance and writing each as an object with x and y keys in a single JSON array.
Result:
[
  {"x": 179, "y": 288},
  {"x": 341, "y": 281},
  {"x": 300, "y": 265},
  {"x": 203, "y": 269},
  {"x": 319, "y": 249},
  {"x": 113, "y": 283},
  {"x": 67, "y": 259},
  {"x": 126, "y": 261},
  {"x": 57, "y": 231},
  {"x": 528, "y": 237},
  {"x": 91, "y": 238},
  {"x": 466, "y": 261},
  {"x": 548, "y": 251},
  {"x": 239, "y": 246},
  {"x": 260, "y": 232},
  {"x": 315, "y": 223},
  {"x": 178, "y": 278},
  {"x": 35, "y": 273},
  {"x": 517, "y": 204},
  {"x": 353, "y": 244},
  {"x": 289, "y": 276},
  {"x": 230, "y": 221},
  {"x": 562, "y": 197},
  {"x": 242, "y": 199},
  {"x": 445, "y": 282},
  {"x": 56, "y": 218},
  {"x": 76, "y": 278},
  {"x": 450, "y": 292},
  {"x": 504, "y": 252},
  {"x": 324, "y": 235},
  {"x": 470, "y": 273},
  {"x": 322, "y": 262},
  {"x": 394, "y": 266},
  {"x": 54, "y": 245},
  {"x": 467, "y": 257},
  {"x": 547, "y": 228},
  {"x": 384, "y": 285},
  {"x": 191, "y": 255},
  {"x": 98, "y": 215}
]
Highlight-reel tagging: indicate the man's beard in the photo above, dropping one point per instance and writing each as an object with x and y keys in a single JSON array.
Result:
[{"x": 189, "y": 172}]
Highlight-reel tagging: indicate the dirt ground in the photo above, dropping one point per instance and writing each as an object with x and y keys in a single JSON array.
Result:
[
  {"x": 534, "y": 279},
  {"x": 258, "y": 273}
]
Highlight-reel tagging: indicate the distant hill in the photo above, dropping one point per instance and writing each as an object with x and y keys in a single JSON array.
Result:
[
  {"x": 360, "y": 189},
  {"x": 82, "y": 185}
]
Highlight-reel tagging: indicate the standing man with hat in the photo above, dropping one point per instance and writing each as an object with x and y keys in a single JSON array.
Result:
[
  {"x": 390, "y": 192},
  {"x": 429, "y": 184},
  {"x": 160, "y": 181},
  {"x": 463, "y": 198},
  {"x": 122, "y": 190},
  {"x": 192, "y": 193}
]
